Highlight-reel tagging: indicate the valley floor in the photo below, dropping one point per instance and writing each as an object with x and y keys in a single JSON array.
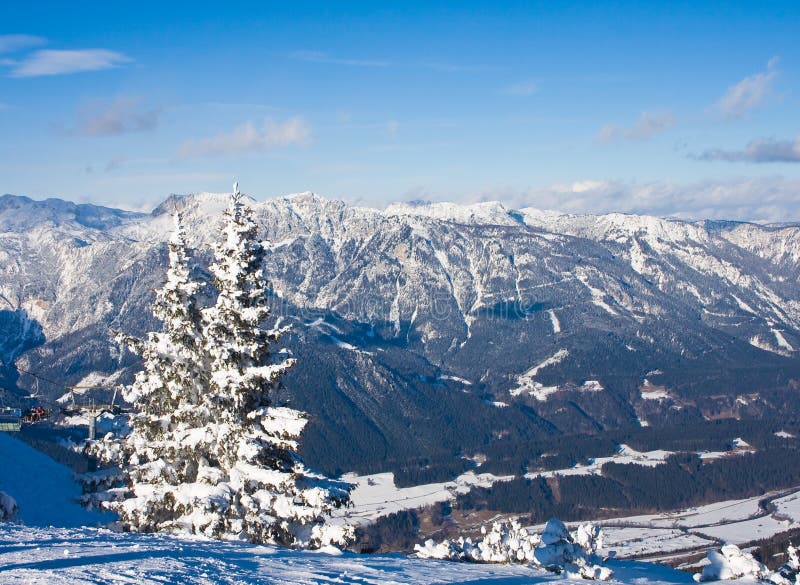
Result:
[
  {"x": 673, "y": 535},
  {"x": 696, "y": 529}
]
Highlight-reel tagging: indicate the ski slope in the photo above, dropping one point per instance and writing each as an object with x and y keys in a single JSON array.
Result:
[
  {"x": 60, "y": 556},
  {"x": 45, "y": 491}
]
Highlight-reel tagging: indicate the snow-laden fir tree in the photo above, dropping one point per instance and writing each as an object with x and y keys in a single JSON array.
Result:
[
  {"x": 208, "y": 452},
  {"x": 165, "y": 394},
  {"x": 171, "y": 357},
  {"x": 250, "y": 445}
]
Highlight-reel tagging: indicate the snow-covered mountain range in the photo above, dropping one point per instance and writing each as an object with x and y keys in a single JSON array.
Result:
[{"x": 434, "y": 328}]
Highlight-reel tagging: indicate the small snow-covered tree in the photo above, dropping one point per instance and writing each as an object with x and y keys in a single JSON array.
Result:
[
  {"x": 208, "y": 451},
  {"x": 731, "y": 563}
]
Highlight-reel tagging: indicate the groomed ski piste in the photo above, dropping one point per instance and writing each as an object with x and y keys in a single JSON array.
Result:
[{"x": 56, "y": 541}]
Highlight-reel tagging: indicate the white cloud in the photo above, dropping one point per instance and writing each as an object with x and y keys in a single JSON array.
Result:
[
  {"x": 522, "y": 89},
  {"x": 250, "y": 138},
  {"x": 749, "y": 93},
  {"x": 121, "y": 116},
  {"x": 320, "y": 57},
  {"x": 292, "y": 131},
  {"x": 770, "y": 199},
  {"x": 13, "y": 43},
  {"x": 50, "y": 62},
  {"x": 580, "y": 186},
  {"x": 760, "y": 150},
  {"x": 650, "y": 124}
]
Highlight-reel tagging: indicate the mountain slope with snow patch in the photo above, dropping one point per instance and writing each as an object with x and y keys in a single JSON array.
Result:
[{"x": 409, "y": 300}]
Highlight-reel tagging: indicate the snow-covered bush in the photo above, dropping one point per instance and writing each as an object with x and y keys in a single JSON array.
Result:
[
  {"x": 575, "y": 552},
  {"x": 8, "y": 508},
  {"x": 556, "y": 549},
  {"x": 505, "y": 542},
  {"x": 731, "y": 563},
  {"x": 106, "y": 449},
  {"x": 208, "y": 452}
]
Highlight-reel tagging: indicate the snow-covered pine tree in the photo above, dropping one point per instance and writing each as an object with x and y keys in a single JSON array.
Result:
[
  {"x": 208, "y": 452},
  {"x": 171, "y": 357},
  {"x": 251, "y": 444},
  {"x": 166, "y": 394}
]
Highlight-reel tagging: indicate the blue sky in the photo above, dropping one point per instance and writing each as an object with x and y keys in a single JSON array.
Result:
[{"x": 676, "y": 108}]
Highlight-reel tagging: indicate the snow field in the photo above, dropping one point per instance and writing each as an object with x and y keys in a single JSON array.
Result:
[
  {"x": 733, "y": 521},
  {"x": 60, "y": 556},
  {"x": 376, "y": 495}
]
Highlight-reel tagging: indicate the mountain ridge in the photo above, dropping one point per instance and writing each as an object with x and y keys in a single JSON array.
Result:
[{"x": 417, "y": 305}]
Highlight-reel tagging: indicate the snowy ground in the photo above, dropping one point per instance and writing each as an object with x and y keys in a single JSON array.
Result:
[
  {"x": 786, "y": 517},
  {"x": 376, "y": 495},
  {"x": 733, "y": 521},
  {"x": 635, "y": 541},
  {"x": 717, "y": 513},
  {"x": 45, "y": 491},
  {"x": 57, "y": 556},
  {"x": 626, "y": 455}
]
